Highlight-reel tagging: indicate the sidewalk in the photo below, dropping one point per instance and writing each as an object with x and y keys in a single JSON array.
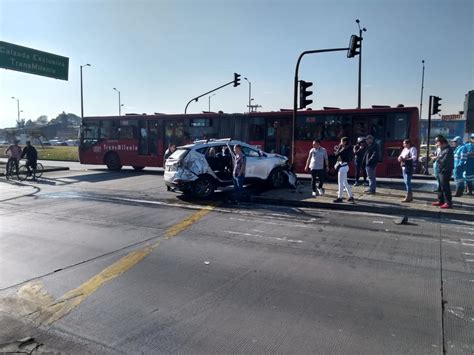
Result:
[{"x": 387, "y": 200}]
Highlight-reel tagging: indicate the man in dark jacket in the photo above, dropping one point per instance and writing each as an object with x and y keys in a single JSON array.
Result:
[
  {"x": 31, "y": 155},
  {"x": 371, "y": 158},
  {"x": 359, "y": 153},
  {"x": 445, "y": 167}
]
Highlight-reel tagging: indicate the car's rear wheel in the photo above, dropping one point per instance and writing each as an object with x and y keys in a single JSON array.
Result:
[
  {"x": 112, "y": 160},
  {"x": 203, "y": 187},
  {"x": 276, "y": 179}
]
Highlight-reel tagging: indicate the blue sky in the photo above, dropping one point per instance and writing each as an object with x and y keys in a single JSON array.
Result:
[{"x": 160, "y": 54}]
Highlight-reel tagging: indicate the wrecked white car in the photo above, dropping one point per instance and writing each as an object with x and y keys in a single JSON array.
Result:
[{"x": 202, "y": 167}]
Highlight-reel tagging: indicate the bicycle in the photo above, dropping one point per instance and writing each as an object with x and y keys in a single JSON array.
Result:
[
  {"x": 9, "y": 170},
  {"x": 23, "y": 172}
]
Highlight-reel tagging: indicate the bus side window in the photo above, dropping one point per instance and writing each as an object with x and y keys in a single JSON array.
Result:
[{"x": 127, "y": 132}]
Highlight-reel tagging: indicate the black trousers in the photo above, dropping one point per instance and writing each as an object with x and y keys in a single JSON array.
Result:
[
  {"x": 358, "y": 169},
  {"x": 315, "y": 176},
  {"x": 444, "y": 190}
]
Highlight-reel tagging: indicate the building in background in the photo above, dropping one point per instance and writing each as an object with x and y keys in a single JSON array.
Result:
[{"x": 449, "y": 126}]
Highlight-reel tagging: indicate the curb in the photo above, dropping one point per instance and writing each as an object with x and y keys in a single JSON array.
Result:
[
  {"x": 358, "y": 207},
  {"x": 48, "y": 170}
]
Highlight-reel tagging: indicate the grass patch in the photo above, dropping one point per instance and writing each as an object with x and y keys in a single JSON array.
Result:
[{"x": 52, "y": 153}]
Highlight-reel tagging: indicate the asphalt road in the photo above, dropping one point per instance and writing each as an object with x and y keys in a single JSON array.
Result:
[{"x": 112, "y": 262}]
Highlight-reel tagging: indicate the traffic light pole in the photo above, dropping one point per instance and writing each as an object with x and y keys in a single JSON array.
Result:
[
  {"x": 295, "y": 92},
  {"x": 428, "y": 137},
  {"x": 198, "y": 97}
]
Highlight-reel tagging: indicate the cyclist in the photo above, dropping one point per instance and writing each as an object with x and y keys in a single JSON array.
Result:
[
  {"x": 31, "y": 157},
  {"x": 14, "y": 154}
]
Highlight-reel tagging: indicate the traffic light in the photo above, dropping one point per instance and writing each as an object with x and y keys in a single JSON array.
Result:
[
  {"x": 236, "y": 79},
  {"x": 436, "y": 105},
  {"x": 354, "y": 45},
  {"x": 304, "y": 93}
]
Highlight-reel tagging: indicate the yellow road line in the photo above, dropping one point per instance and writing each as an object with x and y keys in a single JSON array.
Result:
[{"x": 70, "y": 300}]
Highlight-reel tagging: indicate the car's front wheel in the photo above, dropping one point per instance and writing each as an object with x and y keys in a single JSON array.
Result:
[
  {"x": 203, "y": 187},
  {"x": 276, "y": 179}
]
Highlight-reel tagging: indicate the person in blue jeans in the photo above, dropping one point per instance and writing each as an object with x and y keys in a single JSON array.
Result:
[
  {"x": 371, "y": 159},
  {"x": 407, "y": 160},
  {"x": 238, "y": 174}
]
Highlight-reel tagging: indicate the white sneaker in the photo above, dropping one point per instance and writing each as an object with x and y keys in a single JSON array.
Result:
[
  {"x": 321, "y": 191},
  {"x": 314, "y": 193}
]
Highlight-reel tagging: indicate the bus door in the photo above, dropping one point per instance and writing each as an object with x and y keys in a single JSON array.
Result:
[
  {"x": 143, "y": 148},
  {"x": 278, "y": 136}
]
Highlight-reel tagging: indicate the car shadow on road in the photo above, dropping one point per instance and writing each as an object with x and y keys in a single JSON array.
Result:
[{"x": 98, "y": 175}]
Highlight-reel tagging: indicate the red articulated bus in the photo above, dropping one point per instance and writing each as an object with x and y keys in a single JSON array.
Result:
[{"x": 141, "y": 140}]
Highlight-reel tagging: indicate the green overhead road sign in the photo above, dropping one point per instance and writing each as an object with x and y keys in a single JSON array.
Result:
[{"x": 32, "y": 61}]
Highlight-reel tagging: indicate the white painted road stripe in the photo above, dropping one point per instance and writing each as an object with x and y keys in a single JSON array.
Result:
[{"x": 263, "y": 236}]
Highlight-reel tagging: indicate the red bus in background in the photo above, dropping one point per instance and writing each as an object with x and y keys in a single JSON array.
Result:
[{"x": 141, "y": 140}]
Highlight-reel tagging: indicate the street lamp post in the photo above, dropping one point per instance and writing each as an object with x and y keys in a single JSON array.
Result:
[
  {"x": 120, "y": 105},
  {"x": 360, "y": 62},
  {"x": 209, "y": 105},
  {"x": 82, "y": 94},
  {"x": 422, "y": 86},
  {"x": 250, "y": 93},
  {"x": 18, "y": 109}
]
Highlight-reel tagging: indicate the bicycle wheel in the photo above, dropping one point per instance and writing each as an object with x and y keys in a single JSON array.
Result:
[
  {"x": 23, "y": 173},
  {"x": 39, "y": 170}
]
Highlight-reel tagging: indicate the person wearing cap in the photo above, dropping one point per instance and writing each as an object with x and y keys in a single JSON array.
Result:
[
  {"x": 14, "y": 154},
  {"x": 359, "y": 151},
  {"x": 460, "y": 160},
  {"x": 469, "y": 172},
  {"x": 445, "y": 167},
  {"x": 31, "y": 155},
  {"x": 371, "y": 159}
]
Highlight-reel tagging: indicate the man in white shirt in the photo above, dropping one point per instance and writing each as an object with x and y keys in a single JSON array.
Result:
[{"x": 318, "y": 163}]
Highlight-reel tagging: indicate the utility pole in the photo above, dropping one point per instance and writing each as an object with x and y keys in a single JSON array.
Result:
[
  {"x": 360, "y": 63},
  {"x": 82, "y": 95},
  {"x": 422, "y": 86}
]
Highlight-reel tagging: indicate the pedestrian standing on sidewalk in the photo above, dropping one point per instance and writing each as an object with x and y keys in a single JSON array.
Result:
[
  {"x": 407, "y": 160},
  {"x": 445, "y": 171},
  {"x": 343, "y": 155},
  {"x": 318, "y": 164},
  {"x": 469, "y": 172},
  {"x": 460, "y": 161},
  {"x": 359, "y": 152},
  {"x": 434, "y": 158},
  {"x": 371, "y": 159}
]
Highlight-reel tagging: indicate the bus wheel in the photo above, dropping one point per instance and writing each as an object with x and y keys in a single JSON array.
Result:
[
  {"x": 203, "y": 187},
  {"x": 112, "y": 161},
  {"x": 276, "y": 179},
  {"x": 138, "y": 168}
]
